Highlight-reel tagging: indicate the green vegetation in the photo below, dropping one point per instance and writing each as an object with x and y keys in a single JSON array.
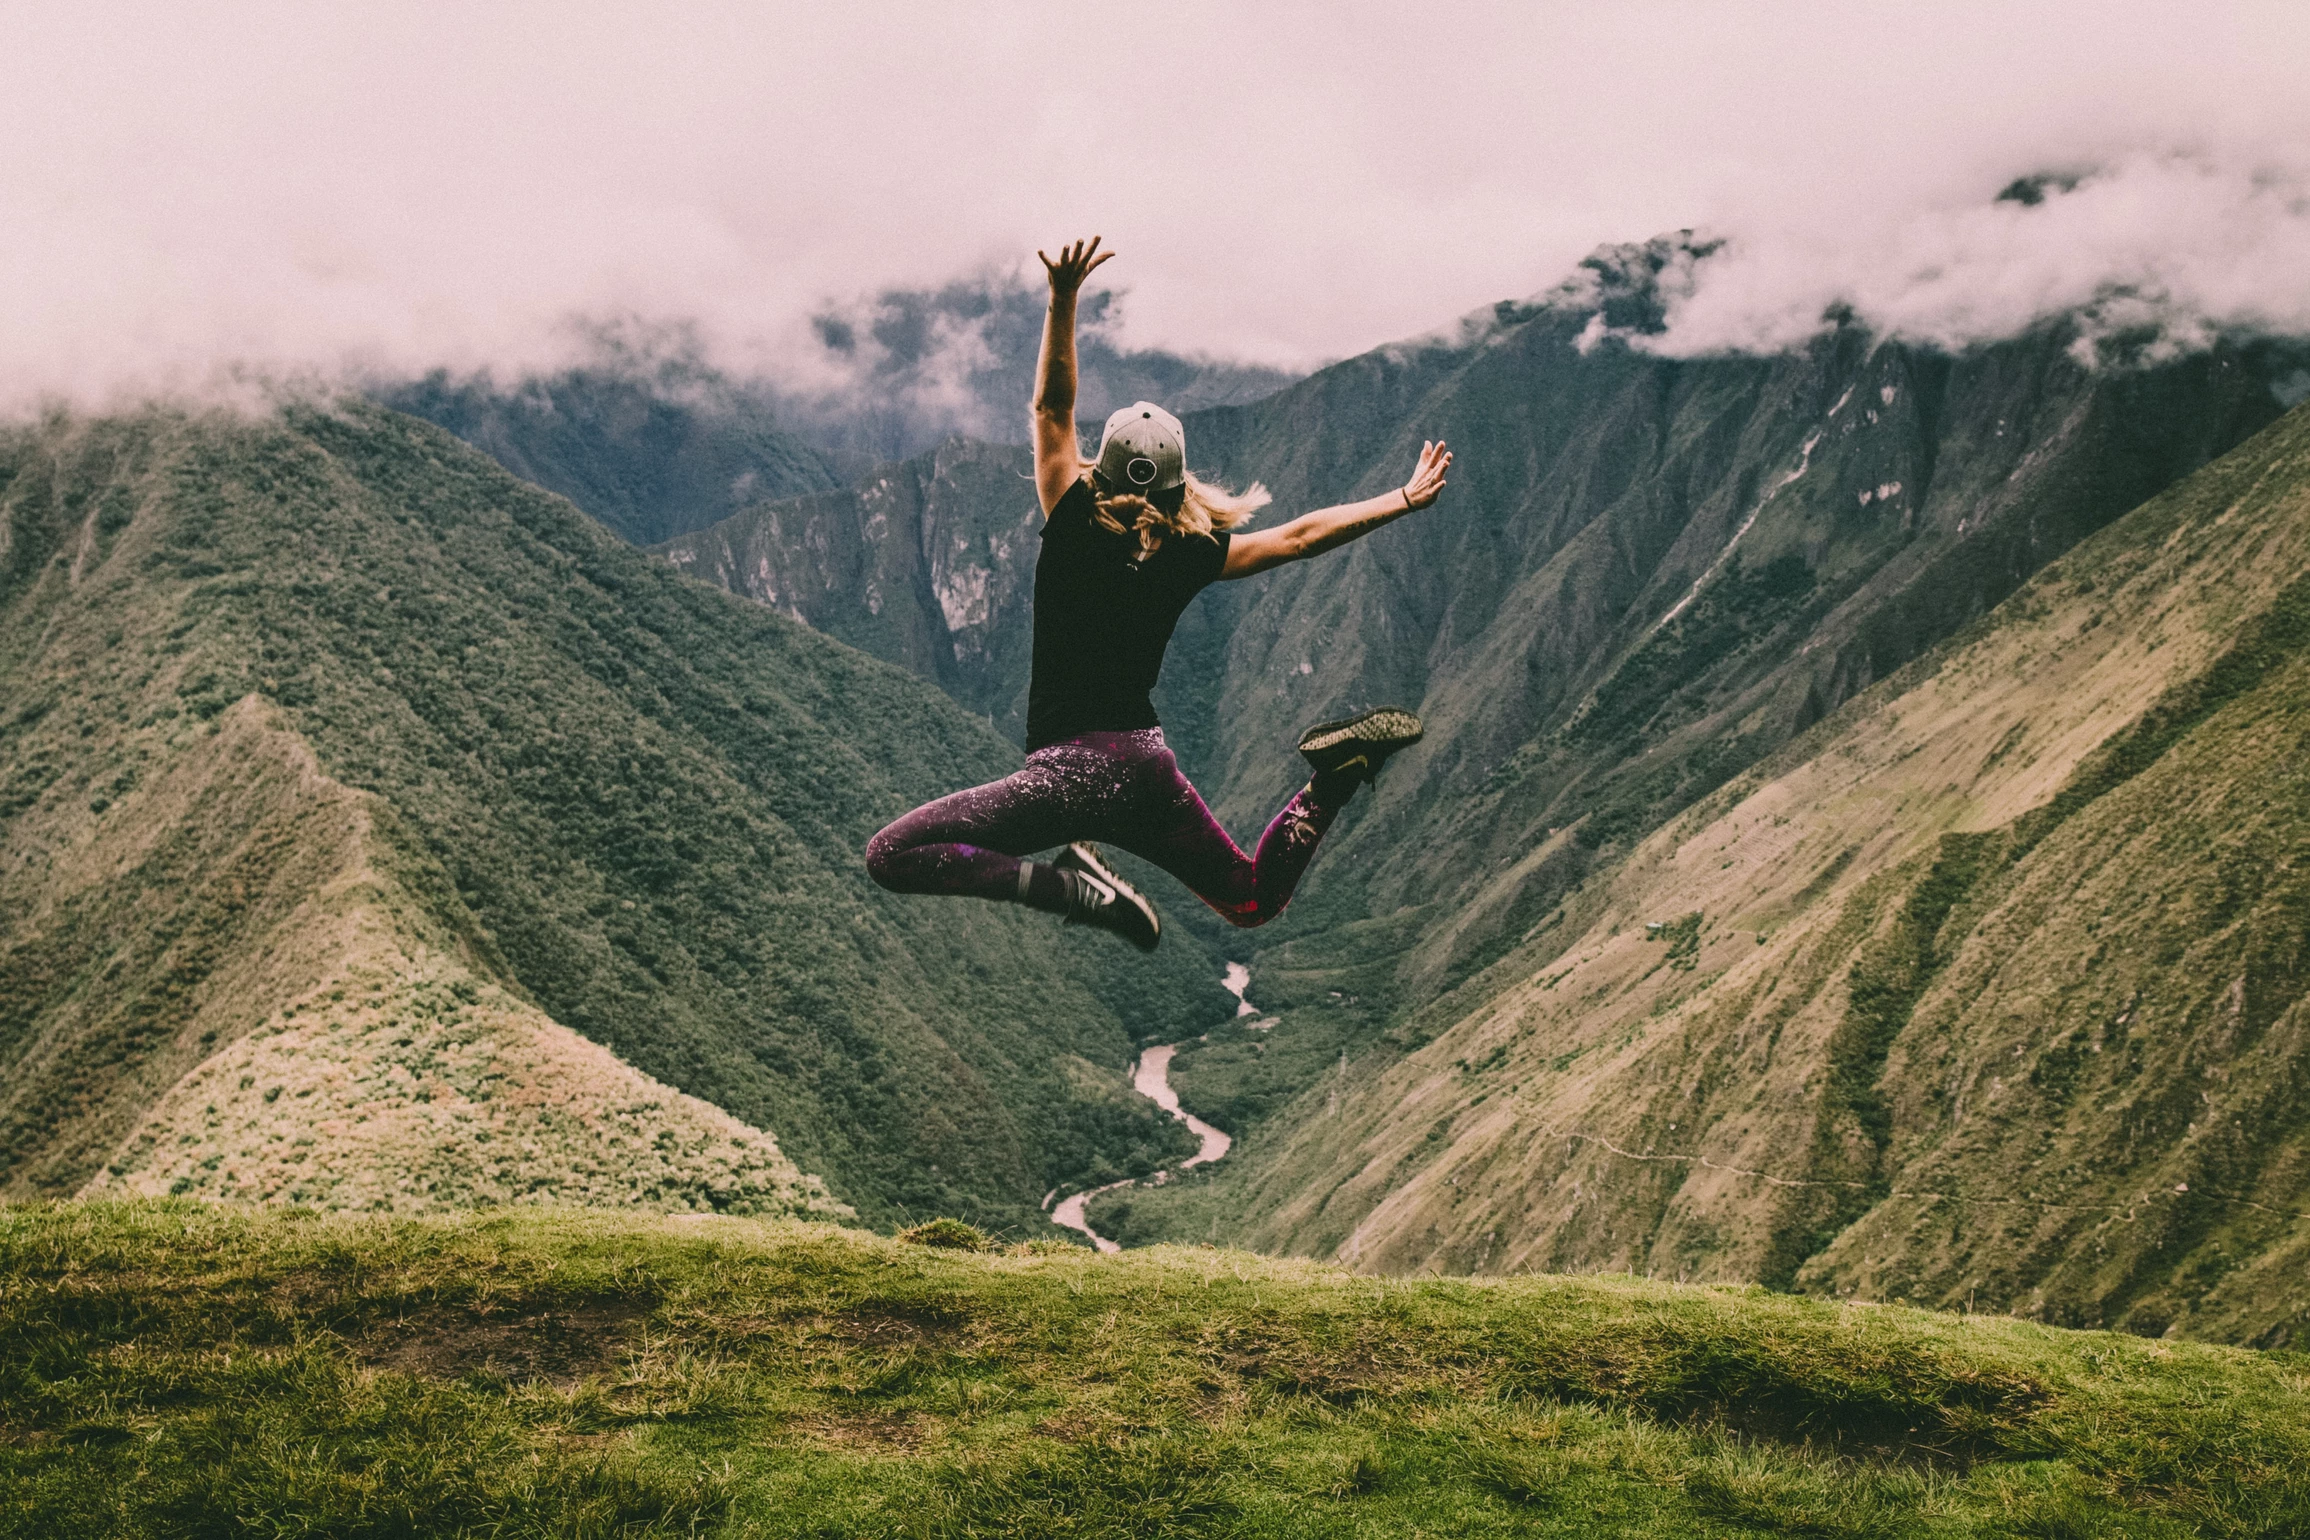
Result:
[
  {"x": 650, "y": 448},
  {"x": 1736, "y": 609},
  {"x": 1875, "y": 499},
  {"x": 536, "y": 757},
  {"x": 180, "y": 1370}
]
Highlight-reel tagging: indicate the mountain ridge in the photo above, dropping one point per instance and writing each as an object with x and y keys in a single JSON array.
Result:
[{"x": 627, "y": 803}]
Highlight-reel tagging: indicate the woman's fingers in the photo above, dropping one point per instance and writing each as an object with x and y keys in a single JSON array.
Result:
[
  {"x": 1428, "y": 476},
  {"x": 1075, "y": 261}
]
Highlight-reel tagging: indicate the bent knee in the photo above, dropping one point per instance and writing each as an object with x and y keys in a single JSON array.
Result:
[{"x": 882, "y": 853}]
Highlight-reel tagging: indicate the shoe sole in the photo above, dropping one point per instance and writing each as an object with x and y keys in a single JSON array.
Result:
[
  {"x": 1396, "y": 729},
  {"x": 1085, "y": 859}
]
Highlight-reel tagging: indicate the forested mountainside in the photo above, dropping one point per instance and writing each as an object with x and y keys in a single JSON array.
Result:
[
  {"x": 362, "y": 807},
  {"x": 1991, "y": 991},
  {"x": 650, "y": 450}
]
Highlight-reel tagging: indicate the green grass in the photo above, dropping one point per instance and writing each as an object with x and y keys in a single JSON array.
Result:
[{"x": 172, "y": 1369}]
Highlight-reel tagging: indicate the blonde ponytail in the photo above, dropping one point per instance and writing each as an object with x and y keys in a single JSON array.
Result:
[{"x": 1202, "y": 509}]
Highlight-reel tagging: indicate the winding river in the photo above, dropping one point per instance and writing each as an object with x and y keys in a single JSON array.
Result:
[{"x": 1151, "y": 1078}]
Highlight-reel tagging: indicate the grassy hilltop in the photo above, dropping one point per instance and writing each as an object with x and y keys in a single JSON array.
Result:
[{"x": 173, "y": 1369}]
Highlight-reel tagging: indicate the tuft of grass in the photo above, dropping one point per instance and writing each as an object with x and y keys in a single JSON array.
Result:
[{"x": 947, "y": 1235}]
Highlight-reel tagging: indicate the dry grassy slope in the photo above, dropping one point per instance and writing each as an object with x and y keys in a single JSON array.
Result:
[
  {"x": 1905, "y": 492},
  {"x": 426, "y": 1088},
  {"x": 2096, "y": 1110}
]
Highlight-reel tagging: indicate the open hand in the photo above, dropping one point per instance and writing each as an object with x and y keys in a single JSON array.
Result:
[
  {"x": 1074, "y": 265},
  {"x": 1427, "y": 482}
]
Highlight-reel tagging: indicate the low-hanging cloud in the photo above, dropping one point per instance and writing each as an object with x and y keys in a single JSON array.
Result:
[
  {"x": 2162, "y": 252},
  {"x": 193, "y": 194}
]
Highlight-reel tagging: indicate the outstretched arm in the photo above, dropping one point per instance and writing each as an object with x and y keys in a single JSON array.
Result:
[
  {"x": 1058, "y": 456},
  {"x": 1312, "y": 534}
]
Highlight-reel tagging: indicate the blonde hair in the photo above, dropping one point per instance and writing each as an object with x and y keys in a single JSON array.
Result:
[{"x": 1204, "y": 508}]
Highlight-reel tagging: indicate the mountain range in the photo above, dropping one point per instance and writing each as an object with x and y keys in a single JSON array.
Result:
[
  {"x": 1855, "y": 847},
  {"x": 1652, "y": 578},
  {"x": 654, "y": 440},
  {"x": 1989, "y": 991}
]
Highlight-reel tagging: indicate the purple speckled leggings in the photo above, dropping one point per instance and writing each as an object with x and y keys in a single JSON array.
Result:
[{"x": 1121, "y": 789}]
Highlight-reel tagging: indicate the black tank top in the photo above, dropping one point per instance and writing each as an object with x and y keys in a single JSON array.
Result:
[{"x": 1102, "y": 620}]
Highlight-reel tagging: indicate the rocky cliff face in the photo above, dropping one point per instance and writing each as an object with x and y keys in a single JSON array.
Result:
[{"x": 928, "y": 563}]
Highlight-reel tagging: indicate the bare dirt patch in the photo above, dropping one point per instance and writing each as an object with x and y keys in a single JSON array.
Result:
[
  {"x": 899, "y": 1432},
  {"x": 560, "y": 1344},
  {"x": 896, "y": 1327},
  {"x": 1085, "y": 1425}
]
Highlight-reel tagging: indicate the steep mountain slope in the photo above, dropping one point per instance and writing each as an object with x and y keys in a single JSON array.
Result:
[
  {"x": 327, "y": 713},
  {"x": 1651, "y": 576},
  {"x": 1993, "y": 990},
  {"x": 220, "y": 887},
  {"x": 652, "y": 448},
  {"x": 928, "y": 563},
  {"x": 1653, "y": 573}
]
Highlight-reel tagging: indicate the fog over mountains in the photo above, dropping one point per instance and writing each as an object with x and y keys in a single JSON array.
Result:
[
  {"x": 500, "y": 504},
  {"x": 655, "y": 441}
]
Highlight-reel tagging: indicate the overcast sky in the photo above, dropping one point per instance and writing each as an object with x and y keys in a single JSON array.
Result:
[{"x": 184, "y": 187}]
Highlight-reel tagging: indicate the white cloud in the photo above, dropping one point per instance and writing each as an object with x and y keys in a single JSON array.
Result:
[
  {"x": 2180, "y": 247},
  {"x": 185, "y": 189}
]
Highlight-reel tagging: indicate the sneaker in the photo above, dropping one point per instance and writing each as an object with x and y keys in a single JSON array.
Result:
[
  {"x": 1359, "y": 745},
  {"x": 1097, "y": 896}
]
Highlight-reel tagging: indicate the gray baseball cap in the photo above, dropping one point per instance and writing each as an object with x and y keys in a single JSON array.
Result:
[{"x": 1143, "y": 450}]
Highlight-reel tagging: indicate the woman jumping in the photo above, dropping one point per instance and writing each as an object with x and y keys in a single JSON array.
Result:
[{"x": 1128, "y": 540}]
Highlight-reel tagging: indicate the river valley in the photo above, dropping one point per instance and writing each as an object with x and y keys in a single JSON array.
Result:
[{"x": 1151, "y": 1078}]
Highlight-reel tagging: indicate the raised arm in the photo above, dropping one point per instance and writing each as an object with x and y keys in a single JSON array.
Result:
[
  {"x": 1312, "y": 534},
  {"x": 1058, "y": 455}
]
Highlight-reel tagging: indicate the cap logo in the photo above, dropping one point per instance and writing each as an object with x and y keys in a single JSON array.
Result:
[{"x": 1141, "y": 470}]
